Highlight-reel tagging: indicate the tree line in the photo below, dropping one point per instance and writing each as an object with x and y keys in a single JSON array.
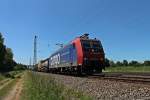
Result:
[
  {"x": 6, "y": 57},
  {"x": 111, "y": 63}
]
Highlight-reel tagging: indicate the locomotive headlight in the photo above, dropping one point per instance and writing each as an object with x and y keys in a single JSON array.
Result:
[
  {"x": 85, "y": 58},
  {"x": 92, "y": 50}
]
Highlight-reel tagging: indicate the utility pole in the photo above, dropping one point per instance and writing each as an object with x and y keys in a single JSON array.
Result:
[
  {"x": 30, "y": 63},
  {"x": 35, "y": 52}
]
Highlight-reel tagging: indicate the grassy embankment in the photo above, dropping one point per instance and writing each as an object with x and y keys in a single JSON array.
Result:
[
  {"x": 10, "y": 74},
  {"x": 7, "y": 81},
  {"x": 128, "y": 69},
  {"x": 4, "y": 91},
  {"x": 44, "y": 87},
  {"x": 2, "y": 77}
]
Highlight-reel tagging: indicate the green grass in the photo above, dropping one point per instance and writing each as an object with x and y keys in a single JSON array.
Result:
[
  {"x": 8, "y": 77},
  {"x": 10, "y": 74},
  {"x": 2, "y": 77},
  {"x": 128, "y": 69},
  {"x": 7, "y": 88},
  {"x": 44, "y": 87}
]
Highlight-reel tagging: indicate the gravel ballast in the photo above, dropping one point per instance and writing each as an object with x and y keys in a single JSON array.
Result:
[{"x": 101, "y": 89}]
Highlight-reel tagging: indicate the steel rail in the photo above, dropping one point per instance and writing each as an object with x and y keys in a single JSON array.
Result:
[{"x": 123, "y": 78}]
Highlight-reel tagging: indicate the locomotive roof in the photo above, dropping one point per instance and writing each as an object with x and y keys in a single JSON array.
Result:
[{"x": 83, "y": 37}]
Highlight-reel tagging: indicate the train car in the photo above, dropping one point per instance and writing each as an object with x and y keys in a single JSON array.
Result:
[
  {"x": 43, "y": 65},
  {"x": 82, "y": 55}
]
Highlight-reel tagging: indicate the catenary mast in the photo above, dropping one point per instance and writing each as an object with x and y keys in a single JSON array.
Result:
[{"x": 35, "y": 52}]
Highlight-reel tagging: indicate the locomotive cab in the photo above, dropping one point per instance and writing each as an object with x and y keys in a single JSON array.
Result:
[{"x": 93, "y": 55}]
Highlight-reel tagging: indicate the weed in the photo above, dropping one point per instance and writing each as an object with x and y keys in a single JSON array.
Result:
[{"x": 44, "y": 87}]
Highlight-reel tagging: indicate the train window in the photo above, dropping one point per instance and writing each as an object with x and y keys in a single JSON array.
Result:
[
  {"x": 91, "y": 45},
  {"x": 96, "y": 45},
  {"x": 86, "y": 44}
]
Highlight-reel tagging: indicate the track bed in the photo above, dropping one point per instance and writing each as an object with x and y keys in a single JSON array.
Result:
[{"x": 143, "y": 78}]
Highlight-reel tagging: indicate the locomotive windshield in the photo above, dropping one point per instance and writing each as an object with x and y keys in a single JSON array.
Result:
[{"x": 91, "y": 45}]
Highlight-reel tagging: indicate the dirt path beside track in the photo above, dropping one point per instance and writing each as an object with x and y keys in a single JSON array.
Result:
[
  {"x": 5, "y": 83},
  {"x": 14, "y": 94}
]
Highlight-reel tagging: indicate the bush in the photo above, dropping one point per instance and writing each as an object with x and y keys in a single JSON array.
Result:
[
  {"x": 147, "y": 63},
  {"x": 8, "y": 75},
  {"x": 20, "y": 67}
]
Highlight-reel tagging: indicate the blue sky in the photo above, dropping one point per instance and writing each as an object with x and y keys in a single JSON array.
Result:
[{"x": 123, "y": 26}]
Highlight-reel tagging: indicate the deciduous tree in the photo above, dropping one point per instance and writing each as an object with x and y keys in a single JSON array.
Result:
[
  {"x": 2, "y": 52},
  {"x": 147, "y": 63},
  {"x": 125, "y": 63}
]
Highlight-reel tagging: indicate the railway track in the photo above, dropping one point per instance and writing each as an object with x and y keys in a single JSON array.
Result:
[{"x": 143, "y": 78}]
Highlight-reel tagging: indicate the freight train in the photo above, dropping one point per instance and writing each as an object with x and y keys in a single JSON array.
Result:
[{"x": 81, "y": 56}]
